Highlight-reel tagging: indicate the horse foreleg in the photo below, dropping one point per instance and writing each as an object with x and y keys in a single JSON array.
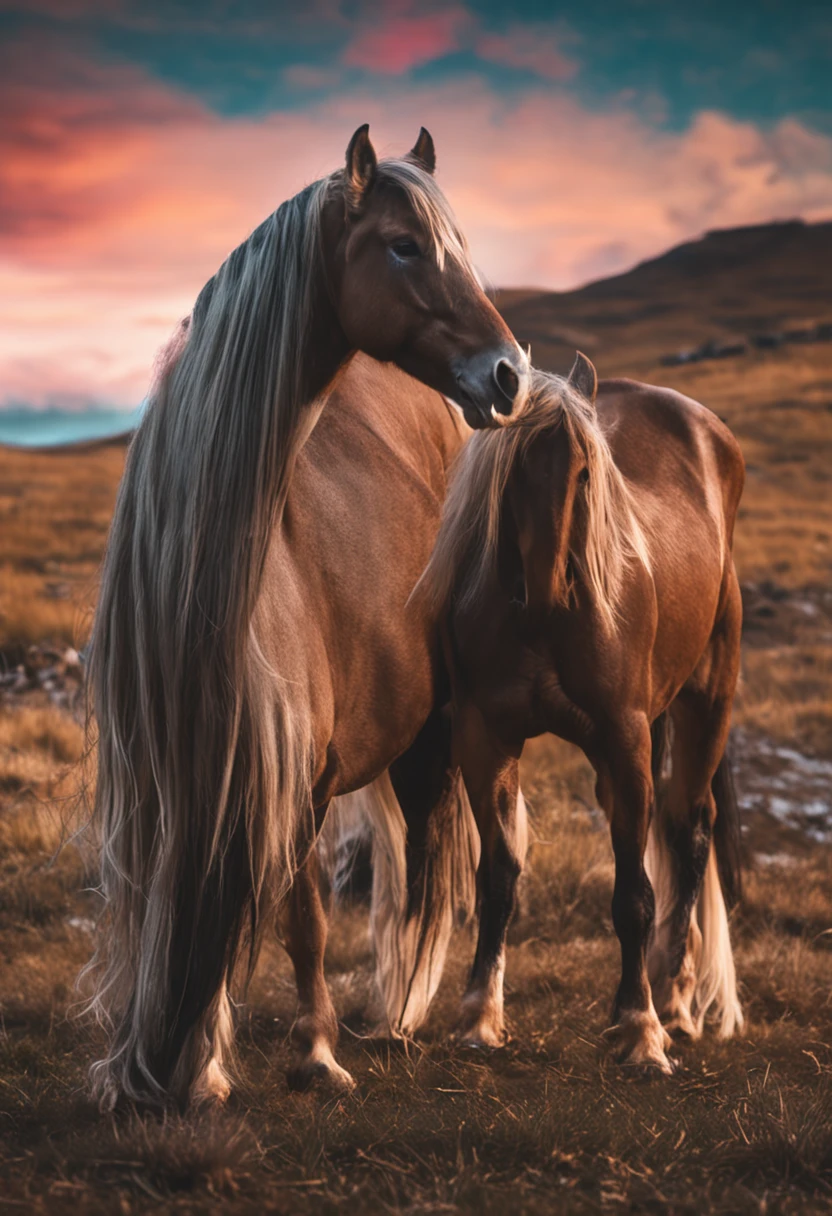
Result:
[
  {"x": 626, "y": 792},
  {"x": 490, "y": 772},
  {"x": 315, "y": 1032}
]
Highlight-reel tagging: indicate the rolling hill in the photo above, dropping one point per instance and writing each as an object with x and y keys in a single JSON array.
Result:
[{"x": 731, "y": 285}]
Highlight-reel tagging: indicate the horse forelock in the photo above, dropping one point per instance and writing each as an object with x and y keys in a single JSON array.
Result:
[
  {"x": 465, "y": 553},
  {"x": 431, "y": 208}
]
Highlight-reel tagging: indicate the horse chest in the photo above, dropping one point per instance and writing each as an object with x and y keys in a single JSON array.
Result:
[
  {"x": 556, "y": 713},
  {"x": 532, "y": 701}
]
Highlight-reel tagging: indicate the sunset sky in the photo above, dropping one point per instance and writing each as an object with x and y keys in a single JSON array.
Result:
[{"x": 141, "y": 140}]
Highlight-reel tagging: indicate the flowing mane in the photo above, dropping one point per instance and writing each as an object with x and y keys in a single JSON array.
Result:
[
  {"x": 466, "y": 547},
  {"x": 196, "y": 732}
]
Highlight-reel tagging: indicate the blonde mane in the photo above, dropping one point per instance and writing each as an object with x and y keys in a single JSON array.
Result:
[
  {"x": 465, "y": 553},
  {"x": 205, "y": 756}
]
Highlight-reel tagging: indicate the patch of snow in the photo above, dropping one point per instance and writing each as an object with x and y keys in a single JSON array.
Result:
[
  {"x": 795, "y": 788},
  {"x": 81, "y": 922}
]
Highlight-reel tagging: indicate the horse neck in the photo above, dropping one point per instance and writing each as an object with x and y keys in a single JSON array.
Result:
[{"x": 207, "y": 531}]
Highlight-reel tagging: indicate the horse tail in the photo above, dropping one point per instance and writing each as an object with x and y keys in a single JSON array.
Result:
[
  {"x": 727, "y": 832},
  {"x": 418, "y": 895},
  {"x": 716, "y": 982}
]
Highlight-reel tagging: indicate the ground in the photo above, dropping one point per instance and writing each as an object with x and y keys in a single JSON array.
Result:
[{"x": 550, "y": 1122}]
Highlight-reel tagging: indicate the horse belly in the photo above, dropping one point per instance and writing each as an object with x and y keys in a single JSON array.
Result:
[
  {"x": 687, "y": 590},
  {"x": 379, "y": 650}
]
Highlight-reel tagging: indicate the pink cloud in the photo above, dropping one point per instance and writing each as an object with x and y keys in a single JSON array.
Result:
[
  {"x": 404, "y": 42},
  {"x": 535, "y": 48},
  {"x": 119, "y": 197}
]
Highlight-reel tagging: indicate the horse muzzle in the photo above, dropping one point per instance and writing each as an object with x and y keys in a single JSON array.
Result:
[{"x": 492, "y": 386}]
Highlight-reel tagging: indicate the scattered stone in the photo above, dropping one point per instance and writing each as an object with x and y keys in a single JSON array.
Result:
[
  {"x": 46, "y": 671},
  {"x": 716, "y": 349}
]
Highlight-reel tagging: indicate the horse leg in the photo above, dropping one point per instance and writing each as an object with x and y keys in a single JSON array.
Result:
[
  {"x": 418, "y": 896},
  {"x": 213, "y": 1084},
  {"x": 625, "y": 790},
  {"x": 688, "y": 973},
  {"x": 315, "y": 1032},
  {"x": 491, "y": 776}
]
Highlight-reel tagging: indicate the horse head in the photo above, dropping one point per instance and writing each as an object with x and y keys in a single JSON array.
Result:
[{"x": 404, "y": 289}]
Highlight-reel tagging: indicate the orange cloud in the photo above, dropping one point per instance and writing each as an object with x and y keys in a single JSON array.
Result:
[{"x": 119, "y": 197}]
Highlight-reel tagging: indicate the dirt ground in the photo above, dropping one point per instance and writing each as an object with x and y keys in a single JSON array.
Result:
[{"x": 549, "y": 1123}]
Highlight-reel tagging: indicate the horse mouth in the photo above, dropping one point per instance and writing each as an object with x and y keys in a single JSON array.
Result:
[{"x": 477, "y": 417}]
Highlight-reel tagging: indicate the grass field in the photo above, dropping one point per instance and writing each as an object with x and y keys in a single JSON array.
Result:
[{"x": 549, "y": 1123}]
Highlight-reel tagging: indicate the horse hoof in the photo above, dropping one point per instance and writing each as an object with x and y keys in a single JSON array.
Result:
[
  {"x": 485, "y": 1038},
  {"x": 682, "y": 1030},
  {"x": 322, "y": 1073},
  {"x": 641, "y": 1043},
  {"x": 650, "y": 1070},
  {"x": 213, "y": 1088}
]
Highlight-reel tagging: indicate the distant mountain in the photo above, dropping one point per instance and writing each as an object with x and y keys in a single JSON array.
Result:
[
  {"x": 732, "y": 284},
  {"x": 32, "y": 428},
  {"x": 714, "y": 294}
]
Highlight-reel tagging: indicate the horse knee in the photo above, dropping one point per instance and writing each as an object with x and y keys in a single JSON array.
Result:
[{"x": 633, "y": 906}]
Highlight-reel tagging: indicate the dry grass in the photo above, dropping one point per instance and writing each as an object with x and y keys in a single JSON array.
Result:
[
  {"x": 55, "y": 510},
  {"x": 549, "y": 1123}
]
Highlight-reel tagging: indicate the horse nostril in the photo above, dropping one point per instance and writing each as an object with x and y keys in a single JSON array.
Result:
[{"x": 508, "y": 382}]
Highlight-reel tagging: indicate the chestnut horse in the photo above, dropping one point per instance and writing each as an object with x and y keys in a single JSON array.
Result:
[
  {"x": 251, "y": 655},
  {"x": 585, "y": 563}
]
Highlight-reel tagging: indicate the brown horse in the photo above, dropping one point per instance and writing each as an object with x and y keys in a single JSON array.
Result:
[
  {"x": 585, "y": 561},
  {"x": 252, "y": 655}
]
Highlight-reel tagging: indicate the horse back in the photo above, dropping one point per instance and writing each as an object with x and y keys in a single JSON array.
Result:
[
  {"x": 685, "y": 472},
  {"x": 674, "y": 448}
]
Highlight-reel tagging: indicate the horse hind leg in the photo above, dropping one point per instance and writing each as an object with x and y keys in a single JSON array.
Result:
[
  {"x": 213, "y": 1086},
  {"x": 676, "y": 859},
  {"x": 315, "y": 1031},
  {"x": 691, "y": 965},
  {"x": 424, "y": 862}
]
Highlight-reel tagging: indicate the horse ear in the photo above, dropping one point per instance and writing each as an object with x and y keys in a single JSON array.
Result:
[
  {"x": 361, "y": 167},
  {"x": 584, "y": 378},
  {"x": 423, "y": 152}
]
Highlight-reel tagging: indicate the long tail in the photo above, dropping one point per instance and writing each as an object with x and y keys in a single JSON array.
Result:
[
  {"x": 712, "y": 958},
  {"x": 415, "y": 900},
  {"x": 716, "y": 978},
  {"x": 727, "y": 832}
]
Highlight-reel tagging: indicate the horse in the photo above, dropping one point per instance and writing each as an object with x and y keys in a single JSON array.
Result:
[
  {"x": 251, "y": 654},
  {"x": 584, "y": 565}
]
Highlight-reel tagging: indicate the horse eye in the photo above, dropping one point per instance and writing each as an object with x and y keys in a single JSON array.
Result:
[
  {"x": 583, "y": 476},
  {"x": 405, "y": 248}
]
